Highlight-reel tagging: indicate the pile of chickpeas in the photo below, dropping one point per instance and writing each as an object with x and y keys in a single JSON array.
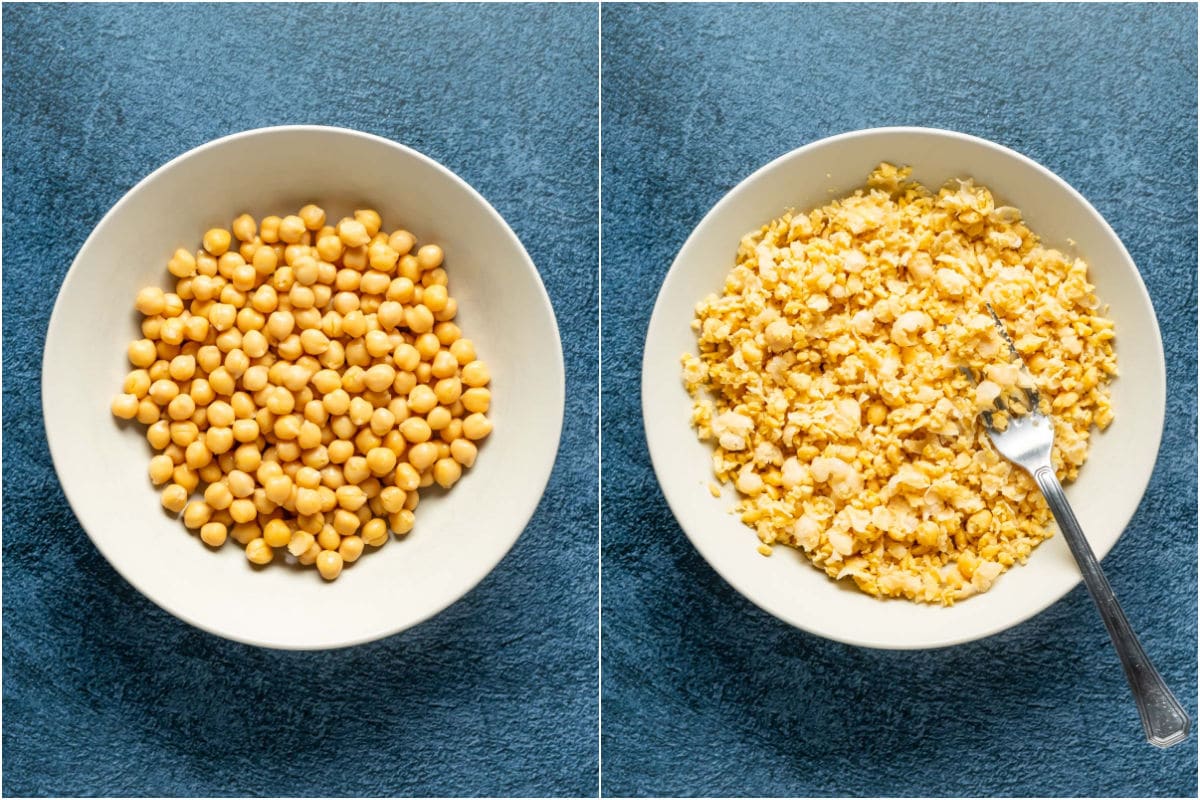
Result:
[{"x": 311, "y": 378}]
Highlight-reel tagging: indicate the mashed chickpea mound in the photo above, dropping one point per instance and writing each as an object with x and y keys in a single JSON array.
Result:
[
  {"x": 830, "y": 380},
  {"x": 312, "y": 378}
]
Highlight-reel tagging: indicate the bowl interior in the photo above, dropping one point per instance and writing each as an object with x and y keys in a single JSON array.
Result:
[
  {"x": 1110, "y": 485},
  {"x": 459, "y": 536}
]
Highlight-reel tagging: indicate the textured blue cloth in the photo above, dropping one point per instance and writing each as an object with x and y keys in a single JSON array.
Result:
[
  {"x": 703, "y": 693},
  {"x": 105, "y": 694}
]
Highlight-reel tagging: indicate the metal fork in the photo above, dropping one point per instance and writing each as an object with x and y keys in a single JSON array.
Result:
[{"x": 1027, "y": 442}]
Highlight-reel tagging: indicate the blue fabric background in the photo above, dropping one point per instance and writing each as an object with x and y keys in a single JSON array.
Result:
[
  {"x": 104, "y": 694},
  {"x": 703, "y": 693}
]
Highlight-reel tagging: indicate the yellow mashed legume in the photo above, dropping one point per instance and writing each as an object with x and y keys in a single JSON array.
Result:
[{"x": 829, "y": 380}]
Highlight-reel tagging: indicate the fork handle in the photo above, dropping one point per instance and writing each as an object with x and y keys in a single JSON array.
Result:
[{"x": 1164, "y": 719}]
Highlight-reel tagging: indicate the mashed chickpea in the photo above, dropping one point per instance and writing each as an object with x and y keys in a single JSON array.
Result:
[{"x": 829, "y": 379}]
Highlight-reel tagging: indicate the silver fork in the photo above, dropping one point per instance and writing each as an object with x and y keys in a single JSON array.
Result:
[{"x": 1027, "y": 442}]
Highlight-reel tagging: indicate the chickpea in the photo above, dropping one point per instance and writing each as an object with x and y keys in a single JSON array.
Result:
[
  {"x": 329, "y": 564},
  {"x": 380, "y": 377},
  {"x": 125, "y": 406},
  {"x": 197, "y": 455},
  {"x": 174, "y": 498},
  {"x": 353, "y": 233},
  {"x": 217, "y": 241},
  {"x": 210, "y": 472},
  {"x": 206, "y": 264},
  {"x": 280, "y": 401},
  {"x": 300, "y": 543},
  {"x": 407, "y": 477},
  {"x": 182, "y": 264},
  {"x": 476, "y": 426},
  {"x": 181, "y": 435},
  {"x": 392, "y": 498},
  {"x": 241, "y": 484},
  {"x": 278, "y": 488},
  {"x": 328, "y": 538},
  {"x": 330, "y": 247},
  {"x": 147, "y": 412},
  {"x": 439, "y": 418},
  {"x": 309, "y": 435},
  {"x": 182, "y": 367},
  {"x": 311, "y": 523},
  {"x": 342, "y": 427},
  {"x": 382, "y": 421},
  {"x": 269, "y": 229},
  {"x": 213, "y": 534},
  {"x": 245, "y": 532},
  {"x": 475, "y": 374},
  {"x": 430, "y": 256},
  {"x": 351, "y": 497},
  {"x": 142, "y": 353},
  {"x": 280, "y": 324},
  {"x": 276, "y": 533},
  {"x": 185, "y": 477},
  {"x": 196, "y": 514},
  {"x": 307, "y": 478},
  {"x": 218, "y": 440},
  {"x": 476, "y": 400},
  {"x": 313, "y": 217},
  {"x": 448, "y": 313},
  {"x": 244, "y": 277},
  {"x": 228, "y": 263},
  {"x": 309, "y": 557},
  {"x": 161, "y": 469},
  {"x": 351, "y": 548},
  {"x": 415, "y": 430},
  {"x": 314, "y": 341},
  {"x": 345, "y": 522},
  {"x": 159, "y": 434},
  {"x": 422, "y": 399},
  {"x": 181, "y": 407},
  {"x": 381, "y": 460},
  {"x": 245, "y": 431},
  {"x": 287, "y": 427},
  {"x": 150, "y": 301},
  {"x": 137, "y": 383},
  {"x": 448, "y": 333},
  {"x": 448, "y": 391},
  {"x": 374, "y": 532},
  {"x": 218, "y": 495},
  {"x": 401, "y": 241},
  {"x": 340, "y": 450},
  {"x": 163, "y": 391},
  {"x": 258, "y": 552},
  {"x": 422, "y": 456},
  {"x": 463, "y": 451},
  {"x": 291, "y": 228},
  {"x": 446, "y": 472},
  {"x": 445, "y": 365},
  {"x": 378, "y": 344},
  {"x": 308, "y": 501},
  {"x": 245, "y": 228},
  {"x": 419, "y": 319},
  {"x": 435, "y": 298},
  {"x": 356, "y": 469},
  {"x": 301, "y": 373},
  {"x": 401, "y": 522}
]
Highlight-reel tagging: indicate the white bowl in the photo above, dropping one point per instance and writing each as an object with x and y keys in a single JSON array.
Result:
[
  {"x": 459, "y": 536},
  {"x": 1110, "y": 484}
]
